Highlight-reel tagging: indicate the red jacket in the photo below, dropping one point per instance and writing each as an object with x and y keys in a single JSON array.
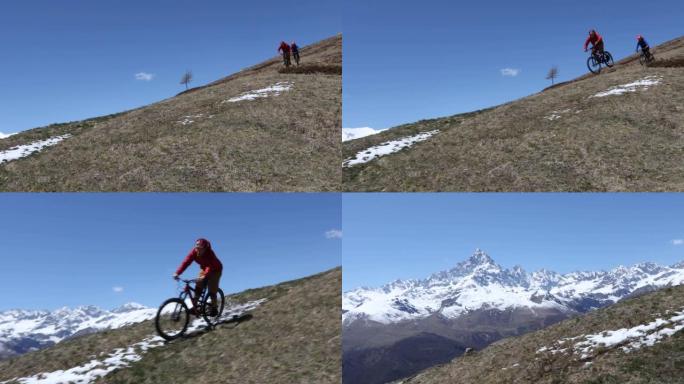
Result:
[
  {"x": 208, "y": 263},
  {"x": 594, "y": 39},
  {"x": 284, "y": 47}
]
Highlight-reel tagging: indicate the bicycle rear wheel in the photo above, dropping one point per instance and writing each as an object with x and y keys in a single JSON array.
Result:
[
  {"x": 608, "y": 59},
  {"x": 172, "y": 319},
  {"x": 211, "y": 317},
  {"x": 593, "y": 65}
]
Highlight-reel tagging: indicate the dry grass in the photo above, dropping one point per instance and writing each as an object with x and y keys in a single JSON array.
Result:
[
  {"x": 292, "y": 338},
  {"x": 289, "y": 142},
  {"x": 661, "y": 364},
  {"x": 313, "y": 68},
  {"x": 632, "y": 142}
]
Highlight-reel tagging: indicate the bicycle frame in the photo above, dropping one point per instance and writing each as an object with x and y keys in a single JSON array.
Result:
[{"x": 189, "y": 291}]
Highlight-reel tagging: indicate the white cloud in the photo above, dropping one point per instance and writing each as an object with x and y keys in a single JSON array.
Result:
[
  {"x": 512, "y": 72},
  {"x": 678, "y": 242},
  {"x": 333, "y": 234},
  {"x": 357, "y": 133},
  {"x": 117, "y": 289},
  {"x": 144, "y": 76}
]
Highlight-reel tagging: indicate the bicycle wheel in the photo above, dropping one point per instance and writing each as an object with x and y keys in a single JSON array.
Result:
[
  {"x": 172, "y": 319},
  {"x": 642, "y": 59},
  {"x": 206, "y": 307},
  {"x": 608, "y": 59},
  {"x": 593, "y": 65}
]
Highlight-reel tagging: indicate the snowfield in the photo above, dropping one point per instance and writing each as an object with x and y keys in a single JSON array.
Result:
[
  {"x": 5, "y": 135},
  {"x": 357, "y": 133},
  {"x": 642, "y": 84},
  {"x": 20, "y": 151},
  {"x": 628, "y": 339},
  {"x": 387, "y": 148},
  {"x": 273, "y": 90},
  {"x": 120, "y": 357}
]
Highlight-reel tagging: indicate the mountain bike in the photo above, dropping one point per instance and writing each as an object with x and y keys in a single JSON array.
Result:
[
  {"x": 645, "y": 59},
  {"x": 595, "y": 61},
  {"x": 173, "y": 316}
]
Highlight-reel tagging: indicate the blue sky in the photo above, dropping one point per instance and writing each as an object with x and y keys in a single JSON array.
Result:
[
  {"x": 74, "y": 59},
  {"x": 411, "y": 60},
  {"x": 74, "y": 249},
  {"x": 390, "y": 236}
]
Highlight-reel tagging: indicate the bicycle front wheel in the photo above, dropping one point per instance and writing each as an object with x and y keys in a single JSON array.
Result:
[
  {"x": 210, "y": 312},
  {"x": 593, "y": 65},
  {"x": 172, "y": 319}
]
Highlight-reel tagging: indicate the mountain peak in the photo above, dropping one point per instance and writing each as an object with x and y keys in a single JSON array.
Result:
[
  {"x": 480, "y": 257},
  {"x": 128, "y": 307}
]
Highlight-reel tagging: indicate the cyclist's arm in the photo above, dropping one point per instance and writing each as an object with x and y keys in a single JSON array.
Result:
[{"x": 185, "y": 264}]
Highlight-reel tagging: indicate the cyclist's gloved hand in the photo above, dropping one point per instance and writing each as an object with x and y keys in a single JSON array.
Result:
[{"x": 175, "y": 277}]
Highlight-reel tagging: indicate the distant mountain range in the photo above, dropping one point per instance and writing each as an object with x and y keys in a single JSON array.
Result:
[
  {"x": 472, "y": 305},
  {"x": 23, "y": 331}
]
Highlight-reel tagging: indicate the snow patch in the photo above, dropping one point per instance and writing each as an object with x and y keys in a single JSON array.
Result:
[
  {"x": 187, "y": 120},
  {"x": 24, "y": 150},
  {"x": 273, "y": 90},
  {"x": 642, "y": 84},
  {"x": 557, "y": 114},
  {"x": 121, "y": 357},
  {"x": 387, "y": 148},
  {"x": 5, "y": 135},
  {"x": 357, "y": 133},
  {"x": 628, "y": 339}
]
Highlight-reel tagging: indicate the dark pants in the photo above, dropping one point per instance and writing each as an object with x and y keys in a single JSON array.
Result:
[
  {"x": 597, "y": 48},
  {"x": 286, "y": 58},
  {"x": 296, "y": 57}
]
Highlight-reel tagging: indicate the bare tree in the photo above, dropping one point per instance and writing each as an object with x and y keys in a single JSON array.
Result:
[
  {"x": 186, "y": 79},
  {"x": 553, "y": 73}
]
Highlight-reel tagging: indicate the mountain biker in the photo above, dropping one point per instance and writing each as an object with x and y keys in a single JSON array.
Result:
[
  {"x": 596, "y": 42},
  {"x": 641, "y": 42},
  {"x": 286, "y": 53},
  {"x": 210, "y": 271},
  {"x": 295, "y": 52}
]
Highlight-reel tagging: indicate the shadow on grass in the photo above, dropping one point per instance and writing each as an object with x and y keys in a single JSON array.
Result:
[{"x": 235, "y": 321}]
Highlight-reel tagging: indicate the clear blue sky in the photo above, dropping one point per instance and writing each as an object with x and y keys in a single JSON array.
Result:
[
  {"x": 74, "y": 59},
  {"x": 390, "y": 236},
  {"x": 410, "y": 60},
  {"x": 73, "y": 249}
]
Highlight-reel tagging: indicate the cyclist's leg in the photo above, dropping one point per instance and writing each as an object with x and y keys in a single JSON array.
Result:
[
  {"x": 199, "y": 287},
  {"x": 599, "y": 46},
  {"x": 213, "y": 280}
]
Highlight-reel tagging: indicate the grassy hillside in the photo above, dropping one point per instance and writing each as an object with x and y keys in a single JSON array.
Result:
[
  {"x": 550, "y": 356},
  {"x": 197, "y": 141},
  {"x": 294, "y": 337},
  {"x": 561, "y": 139}
]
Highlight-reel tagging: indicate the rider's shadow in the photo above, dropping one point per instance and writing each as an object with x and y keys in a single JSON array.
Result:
[{"x": 234, "y": 321}]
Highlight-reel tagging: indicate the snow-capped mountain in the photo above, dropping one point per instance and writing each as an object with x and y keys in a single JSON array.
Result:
[
  {"x": 479, "y": 283},
  {"x": 22, "y": 331}
]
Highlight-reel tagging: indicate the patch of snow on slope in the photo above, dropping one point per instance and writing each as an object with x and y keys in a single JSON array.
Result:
[
  {"x": 388, "y": 148},
  {"x": 357, "y": 133},
  {"x": 5, "y": 135},
  {"x": 274, "y": 90},
  {"x": 20, "y": 151},
  {"x": 187, "y": 120},
  {"x": 557, "y": 114},
  {"x": 644, "y": 84},
  {"x": 120, "y": 357},
  {"x": 629, "y": 339}
]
